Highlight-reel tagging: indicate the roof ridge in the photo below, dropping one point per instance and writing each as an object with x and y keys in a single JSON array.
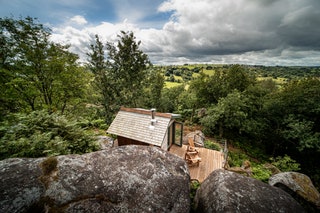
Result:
[{"x": 146, "y": 112}]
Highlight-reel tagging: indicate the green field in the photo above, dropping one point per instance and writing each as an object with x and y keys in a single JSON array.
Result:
[{"x": 171, "y": 84}]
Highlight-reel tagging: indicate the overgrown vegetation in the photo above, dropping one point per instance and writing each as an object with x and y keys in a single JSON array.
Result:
[
  {"x": 194, "y": 185},
  {"x": 265, "y": 111},
  {"x": 285, "y": 164},
  {"x": 212, "y": 145},
  {"x": 42, "y": 134},
  {"x": 261, "y": 169}
]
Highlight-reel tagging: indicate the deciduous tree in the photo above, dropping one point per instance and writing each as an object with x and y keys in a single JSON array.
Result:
[
  {"x": 37, "y": 73},
  {"x": 128, "y": 63},
  {"x": 121, "y": 74}
]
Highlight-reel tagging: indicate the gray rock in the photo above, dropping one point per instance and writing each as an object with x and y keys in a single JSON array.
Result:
[
  {"x": 19, "y": 184},
  {"x": 123, "y": 179},
  {"x": 225, "y": 191},
  {"x": 105, "y": 142},
  {"x": 299, "y": 186},
  {"x": 198, "y": 138}
]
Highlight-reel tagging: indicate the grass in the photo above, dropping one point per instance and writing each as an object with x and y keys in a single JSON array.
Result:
[
  {"x": 178, "y": 78},
  {"x": 208, "y": 72},
  {"x": 171, "y": 84},
  {"x": 278, "y": 81}
]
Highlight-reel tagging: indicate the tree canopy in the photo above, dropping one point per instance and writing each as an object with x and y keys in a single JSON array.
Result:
[
  {"x": 120, "y": 75},
  {"x": 266, "y": 111},
  {"x": 35, "y": 72}
]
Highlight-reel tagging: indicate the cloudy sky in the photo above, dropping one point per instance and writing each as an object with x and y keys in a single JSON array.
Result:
[{"x": 264, "y": 32}]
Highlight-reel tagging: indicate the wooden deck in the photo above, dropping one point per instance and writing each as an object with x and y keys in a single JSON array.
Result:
[{"x": 210, "y": 161}]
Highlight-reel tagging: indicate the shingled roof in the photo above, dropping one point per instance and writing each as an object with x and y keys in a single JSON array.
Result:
[{"x": 135, "y": 123}]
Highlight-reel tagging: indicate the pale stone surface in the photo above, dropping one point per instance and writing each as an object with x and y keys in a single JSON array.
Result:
[
  {"x": 128, "y": 178},
  {"x": 225, "y": 191},
  {"x": 299, "y": 184}
]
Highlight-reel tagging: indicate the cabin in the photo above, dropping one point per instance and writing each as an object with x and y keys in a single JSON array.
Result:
[{"x": 136, "y": 126}]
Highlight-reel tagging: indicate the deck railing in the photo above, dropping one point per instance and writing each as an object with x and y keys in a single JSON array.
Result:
[{"x": 224, "y": 151}]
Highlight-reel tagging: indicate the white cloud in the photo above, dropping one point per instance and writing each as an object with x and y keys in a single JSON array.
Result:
[
  {"x": 238, "y": 30},
  {"x": 79, "y": 20},
  {"x": 80, "y": 37},
  {"x": 269, "y": 32}
]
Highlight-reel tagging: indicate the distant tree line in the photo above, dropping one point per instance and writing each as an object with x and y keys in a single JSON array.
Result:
[{"x": 243, "y": 104}]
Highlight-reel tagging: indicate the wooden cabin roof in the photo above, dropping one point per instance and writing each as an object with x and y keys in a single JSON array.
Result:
[{"x": 135, "y": 123}]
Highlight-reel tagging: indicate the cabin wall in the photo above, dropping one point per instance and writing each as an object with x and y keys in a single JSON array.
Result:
[
  {"x": 168, "y": 139},
  {"x": 122, "y": 141},
  {"x": 164, "y": 145}
]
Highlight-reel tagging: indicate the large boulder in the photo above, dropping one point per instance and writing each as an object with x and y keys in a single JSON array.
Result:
[
  {"x": 225, "y": 191},
  {"x": 20, "y": 187},
  {"x": 198, "y": 137},
  {"x": 299, "y": 186},
  {"x": 123, "y": 179},
  {"x": 105, "y": 142},
  {"x": 245, "y": 169}
]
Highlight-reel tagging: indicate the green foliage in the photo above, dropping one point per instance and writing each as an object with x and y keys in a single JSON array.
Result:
[
  {"x": 295, "y": 112},
  {"x": 293, "y": 117},
  {"x": 228, "y": 114},
  {"x": 212, "y": 145},
  {"x": 236, "y": 158},
  {"x": 129, "y": 66},
  {"x": 153, "y": 88},
  {"x": 209, "y": 89},
  {"x": 261, "y": 173},
  {"x": 95, "y": 123},
  {"x": 170, "y": 99},
  {"x": 286, "y": 164},
  {"x": 36, "y": 73},
  {"x": 277, "y": 114},
  {"x": 301, "y": 131},
  {"x": 104, "y": 79},
  {"x": 194, "y": 185},
  {"x": 42, "y": 134},
  {"x": 122, "y": 76}
]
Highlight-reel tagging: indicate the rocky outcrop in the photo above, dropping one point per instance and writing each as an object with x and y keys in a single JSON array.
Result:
[
  {"x": 198, "y": 138},
  {"x": 225, "y": 191},
  {"x": 19, "y": 184},
  {"x": 245, "y": 169},
  {"x": 273, "y": 169},
  {"x": 299, "y": 186},
  {"x": 105, "y": 142},
  {"x": 123, "y": 179}
]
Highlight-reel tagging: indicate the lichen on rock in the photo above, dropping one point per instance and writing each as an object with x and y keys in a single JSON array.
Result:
[
  {"x": 128, "y": 178},
  {"x": 225, "y": 191},
  {"x": 299, "y": 186}
]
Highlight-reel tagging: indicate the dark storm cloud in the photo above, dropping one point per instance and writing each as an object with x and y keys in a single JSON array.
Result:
[
  {"x": 269, "y": 32},
  {"x": 228, "y": 27}
]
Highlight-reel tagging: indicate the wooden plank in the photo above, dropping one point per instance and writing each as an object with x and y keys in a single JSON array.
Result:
[{"x": 210, "y": 161}]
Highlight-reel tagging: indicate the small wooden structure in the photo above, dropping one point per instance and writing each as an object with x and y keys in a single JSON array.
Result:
[
  {"x": 192, "y": 154},
  {"x": 146, "y": 127},
  {"x": 210, "y": 161}
]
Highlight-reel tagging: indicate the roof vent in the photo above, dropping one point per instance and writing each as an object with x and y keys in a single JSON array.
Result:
[{"x": 153, "y": 119}]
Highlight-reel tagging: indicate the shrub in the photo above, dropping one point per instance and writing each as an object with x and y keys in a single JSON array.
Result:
[
  {"x": 285, "y": 164},
  {"x": 41, "y": 134},
  {"x": 194, "y": 185},
  {"x": 211, "y": 145},
  {"x": 236, "y": 158},
  {"x": 96, "y": 123},
  {"x": 261, "y": 173}
]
